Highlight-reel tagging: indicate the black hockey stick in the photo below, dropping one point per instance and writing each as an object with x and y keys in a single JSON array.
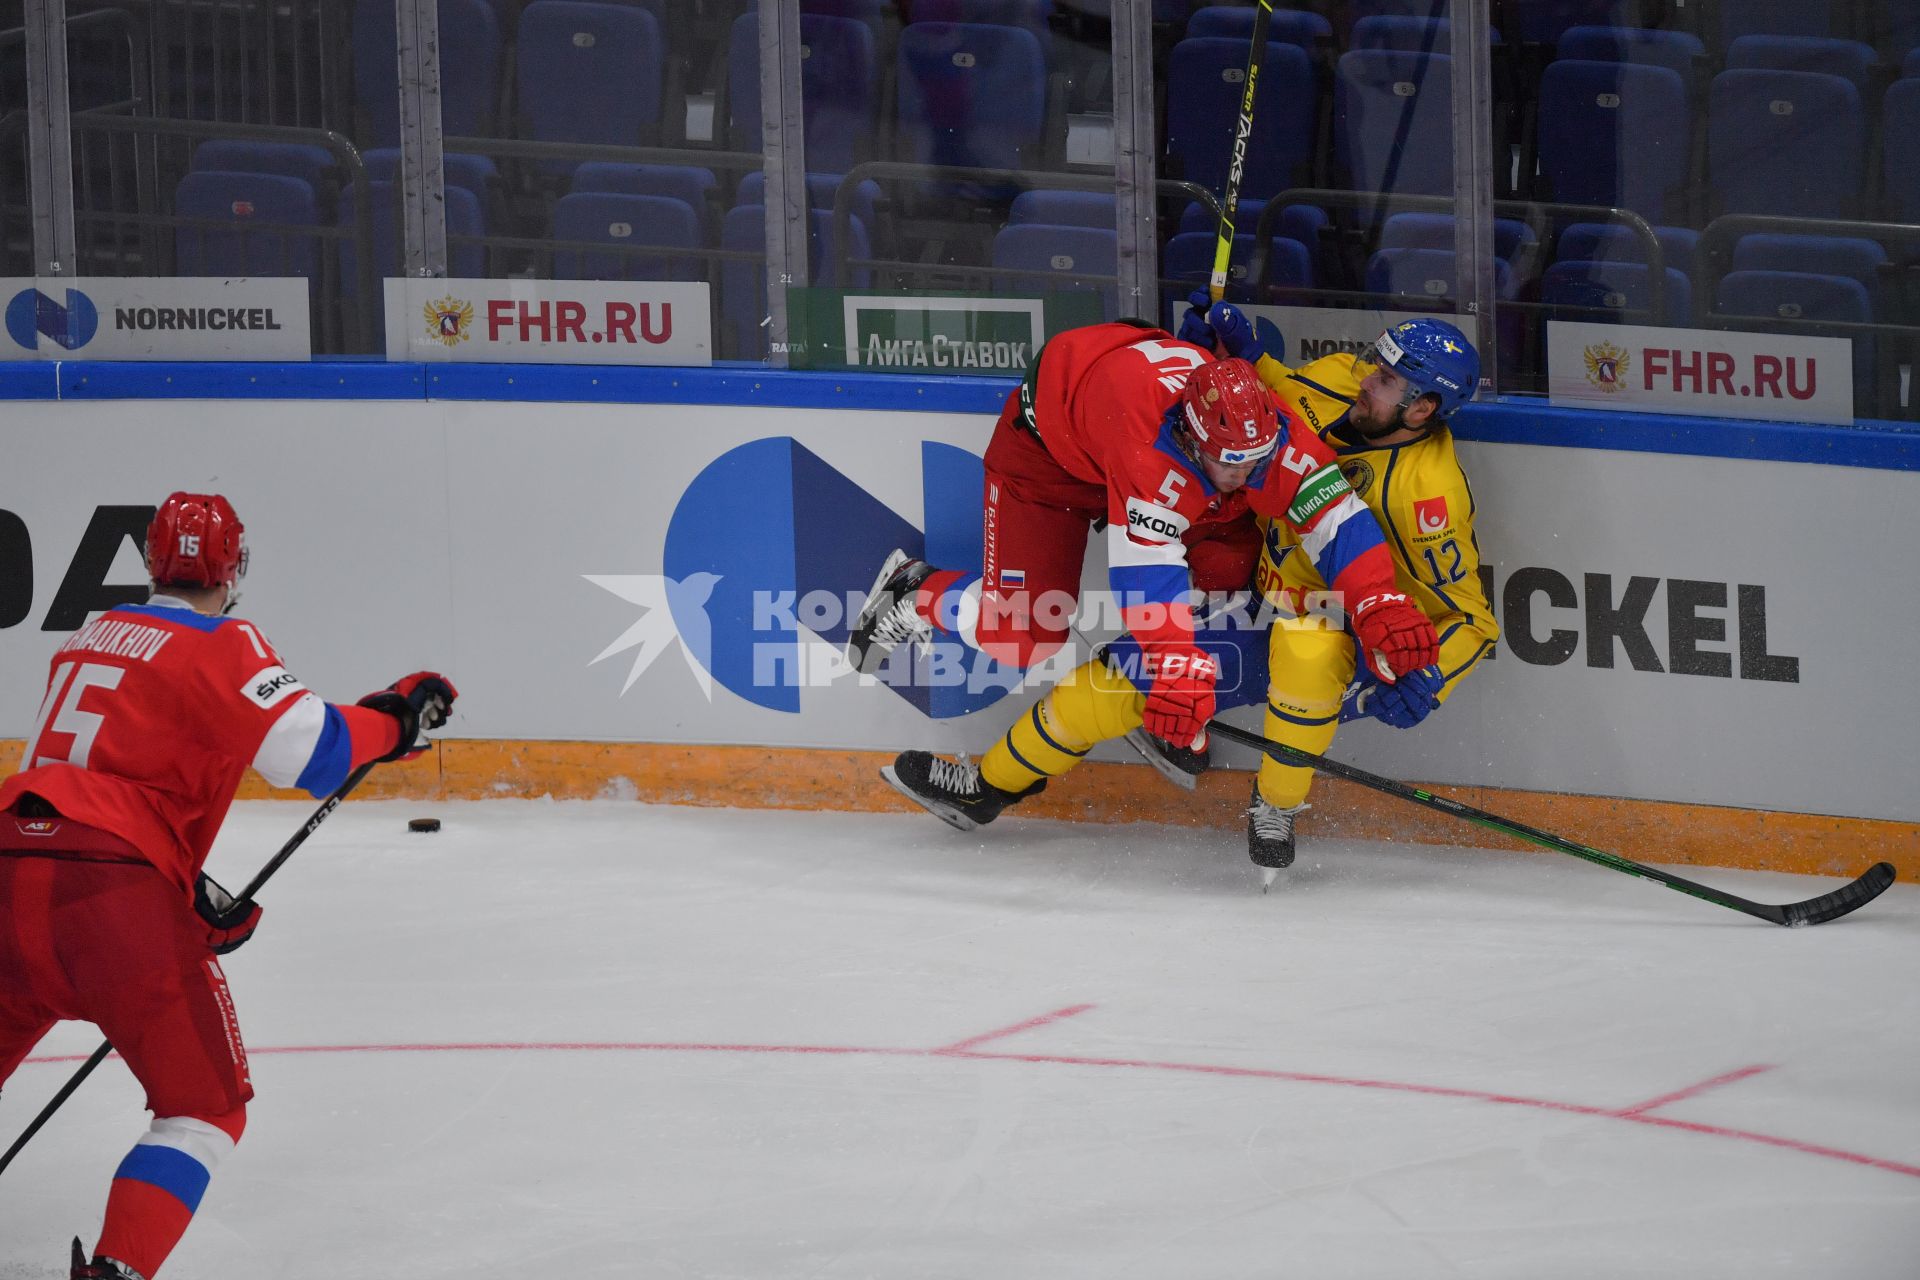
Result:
[
  {"x": 1237, "y": 157},
  {"x": 320, "y": 815},
  {"x": 1828, "y": 906}
]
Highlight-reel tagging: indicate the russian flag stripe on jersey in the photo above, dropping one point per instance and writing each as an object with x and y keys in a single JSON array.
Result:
[{"x": 1347, "y": 536}]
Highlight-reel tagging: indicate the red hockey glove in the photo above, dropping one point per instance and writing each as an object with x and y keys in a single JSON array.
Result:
[
  {"x": 420, "y": 702},
  {"x": 1394, "y": 636},
  {"x": 1180, "y": 701},
  {"x": 228, "y": 923}
]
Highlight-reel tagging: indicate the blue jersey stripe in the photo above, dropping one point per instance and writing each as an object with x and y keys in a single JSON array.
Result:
[
  {"x": 168, "y": 1168},
  {"x": 1449, "y": 677},
  {"x": 184, "y": 617},
  {"x": 1149, "y": 583},
  {"x": 1349, "y": 542},
  {"x": 332, "y": 757}
]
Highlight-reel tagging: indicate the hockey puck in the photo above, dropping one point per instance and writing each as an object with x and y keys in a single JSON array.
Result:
[{"x": 423, "y": 824}]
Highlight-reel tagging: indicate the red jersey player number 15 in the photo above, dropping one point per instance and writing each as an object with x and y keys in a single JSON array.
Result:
[{"x": 151, "y": 715}]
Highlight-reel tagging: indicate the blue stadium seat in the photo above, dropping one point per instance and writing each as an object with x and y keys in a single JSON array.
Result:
[
  {"x": 1804, "y": 296},
  {"x": 1910, "y": 65},
  {"x": 1302, "y": 222},
  {"x": 868, "y": 11},
  {"x": 1364, "y": 9},
  {"x": 469, "y": 68},
  {"x": 272, "y": 219},
  {"x": 1188, "y": 258},
  {"x": 589, "y": 73},
  {"x": 1611, "y": 242},
  {"x": 1287, "y": 26},
  {"x": 1072, "y": 257},
  {"x": 1393, "y": 121},
  {"x": 1205, "y": 82},
  {"x": 1428, "y": 275},
  {"x": 1606, "y": 292},
  {"x": 1790, "y": 143},
  {"x": 822, "y": 188},
  {"x": 313, "y": 165},
  {"x": 1849, "y": 256},
  {"x": 971, "y": 95},
  {"x": 839, "y": 85},
  {"x": 1028, "y": 15},
  {"x": 1775, "y": 18},
  {"x": 692, "y": 185},
  {"x": 1900, "y": 150},
  {"x": 1065, "y": 209},
  {"x": 743, "y": 283},
  {"x": 1546, "y": 22},
  {"x": 466, "y": 259},
  {"x": 626, "y": 221},
  {"x": 1616, "y": 134},
  {"x": 1848, "y": 59},
  {"x": 1514, "y": 242},
  {"x": 469, "y": 172},
  {"x": 1678, "y": 51},
  {"x": 1411, "y": 35}
]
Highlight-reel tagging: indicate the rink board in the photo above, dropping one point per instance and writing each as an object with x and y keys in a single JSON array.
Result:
[{"x": 1702, "y": 630}]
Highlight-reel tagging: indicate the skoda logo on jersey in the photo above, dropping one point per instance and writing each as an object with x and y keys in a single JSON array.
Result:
[
  {"x": 70, "y": 325},
  {"x": 768, "y": 552}
]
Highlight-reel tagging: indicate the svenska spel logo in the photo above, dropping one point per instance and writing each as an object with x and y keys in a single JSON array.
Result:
[{"x": 70, "y": 325}]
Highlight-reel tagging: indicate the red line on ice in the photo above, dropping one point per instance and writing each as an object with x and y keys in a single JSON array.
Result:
[
  {"x": 1635, "y": 1115},
  {"x": 962, "y": 1046},
  {"x": 1692, "y": 1090}
]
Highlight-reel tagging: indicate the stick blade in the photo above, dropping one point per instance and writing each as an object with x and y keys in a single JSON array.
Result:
[{"x": 1873, "y": 882}]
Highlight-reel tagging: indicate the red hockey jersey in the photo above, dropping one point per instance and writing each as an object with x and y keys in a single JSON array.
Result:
[
  {"x": 1100, "y": 405},
  {"x": 152, "y": 714}
]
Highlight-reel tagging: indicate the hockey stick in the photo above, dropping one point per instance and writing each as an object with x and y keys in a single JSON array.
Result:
[
  {"x": 1828, "y": 906},
  {"x": 320, "y": 815},
  {"x": 1236, "y": 165}
]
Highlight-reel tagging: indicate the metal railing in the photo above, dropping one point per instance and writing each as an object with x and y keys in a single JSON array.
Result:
[{"x": 128, "y": 167}]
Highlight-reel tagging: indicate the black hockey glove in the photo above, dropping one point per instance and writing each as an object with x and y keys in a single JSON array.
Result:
[{"x": 421, "y": 702}]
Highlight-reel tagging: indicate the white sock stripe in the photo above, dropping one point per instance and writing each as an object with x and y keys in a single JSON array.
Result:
[
  {"x": 206, "y": 1143},
  {"x": 966, "y": 615}
]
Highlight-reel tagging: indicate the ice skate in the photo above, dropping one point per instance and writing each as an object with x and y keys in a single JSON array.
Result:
[
  {"x": 99, "y": 1268},
  {"x": 951, "y": 790},
  {"x": 1270, "y": 837},
  {"x": 888, "y": 618}
]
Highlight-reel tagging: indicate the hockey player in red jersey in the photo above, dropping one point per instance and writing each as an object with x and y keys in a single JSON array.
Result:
[
  {"x": 152, "y": 714},
  {"x": 1175, "y": 450}
]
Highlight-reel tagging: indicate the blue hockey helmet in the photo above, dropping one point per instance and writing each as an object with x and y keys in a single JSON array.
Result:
[{"x": 1435, "y": 359}]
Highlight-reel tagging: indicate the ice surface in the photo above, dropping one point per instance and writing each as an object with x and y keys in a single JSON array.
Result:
[{"x": 614, "y": 1040}]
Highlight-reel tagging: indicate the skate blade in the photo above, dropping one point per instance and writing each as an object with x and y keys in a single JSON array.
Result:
[
  {"x": 945, "y": 812},
  {"x": 1137, "y": 739},
  {"x": 1267, "y": 876}
]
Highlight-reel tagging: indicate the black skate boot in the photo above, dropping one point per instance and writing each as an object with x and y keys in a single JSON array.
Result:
[
  {"x": 1270, "y": 837},
  {"x": 99, "y": 1268},
  {"x": 888, "y": 618},
  {"x": 952, "y": 791},
  {"x": 1182, "y": 766}
]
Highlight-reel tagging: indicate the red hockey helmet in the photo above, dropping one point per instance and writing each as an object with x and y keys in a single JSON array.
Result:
[
  {"x": 196, "y": 540},
  {"x": 1229, "y": 413}
]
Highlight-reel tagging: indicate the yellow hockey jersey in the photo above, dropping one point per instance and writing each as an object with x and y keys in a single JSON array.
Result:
[{"x": 1416, "y": 491}]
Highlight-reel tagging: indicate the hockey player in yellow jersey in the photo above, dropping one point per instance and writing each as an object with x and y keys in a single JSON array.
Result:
[
  {"x": 1384, "y": 411},
  {"x": 1384, "y": 414}
]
